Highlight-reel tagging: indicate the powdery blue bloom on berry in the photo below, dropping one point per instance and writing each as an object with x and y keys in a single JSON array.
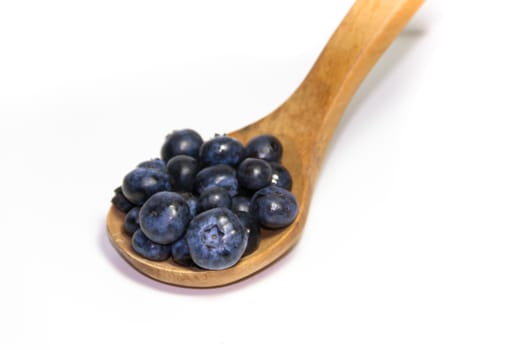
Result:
[
  {"x": 164, "y": 217},
  {"x": 148, "y": 249},
  {"x": 142, "y": 183},
  {"x": 191, "y": 201},
  {"x": 216, "y": 239},
  {"x": 274, "y": 207},
  {"x": 221, "y": 150},
  {"x": 217, "y": 176},
  {"x": 156, "y": 163}
]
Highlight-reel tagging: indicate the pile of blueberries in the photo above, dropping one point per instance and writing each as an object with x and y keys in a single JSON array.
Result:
[{"x": 203, "y": 203}]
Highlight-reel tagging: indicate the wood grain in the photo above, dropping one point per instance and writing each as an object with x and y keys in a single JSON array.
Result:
[{"x": 305, "y": 124}]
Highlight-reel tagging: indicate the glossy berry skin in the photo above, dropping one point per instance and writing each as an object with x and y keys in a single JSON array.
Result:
[
  {"x": 254, "y": 231},
  {"x": 182, "y": 170},
  {"x": 254, "y": 174},
  {"x": 120, "y": 202},
  {"x": 281, "y": 176},
  {"x": 156, "y": 163},
  {"x": 191, "y": 201},
  {"x": 181, "y": 253},
  {"x": 148, "y": 249},
  {"x": 240, "y": 203},
  {"x": 274, "y": 207},
  {"x": 214, "y": 197},
  {"x": 164, "y": 217},
  {"x": 267, "y": 147},
  {"x": 217, "y": 176},
  {"x": 142, "y": 183},
  {"x": 184, "y": 141},
  {"x": 216, "y": 239},
  {"x": 221, "y": 150},
  {"x": 131, "y": 221}
]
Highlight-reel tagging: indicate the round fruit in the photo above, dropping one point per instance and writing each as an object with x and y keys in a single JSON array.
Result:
[
  {"x": 217, "y": 176},
  {"x": 164, "y": 217},
  {"x": 254, "y": 174},
  {"x": 216, "y": 239},
  {"x": 184, "y": 141},
  {"x": 182, "y": 170},
  {"x": 274, "y": 207},
  {"x": 267, "y": 147},
  {"x": 221, "y": 150},
  {"x": 142, "y": 183},
  {"x": 148, "y": 249}
]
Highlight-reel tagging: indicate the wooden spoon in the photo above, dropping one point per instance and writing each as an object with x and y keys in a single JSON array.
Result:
[{"x": 304, "y": 124}]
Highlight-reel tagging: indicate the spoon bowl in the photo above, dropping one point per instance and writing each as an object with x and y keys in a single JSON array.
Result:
[{"x": 304, "y": 123}]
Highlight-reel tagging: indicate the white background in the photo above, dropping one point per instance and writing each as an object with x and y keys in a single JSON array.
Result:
[{"x": 416, "y": 234}]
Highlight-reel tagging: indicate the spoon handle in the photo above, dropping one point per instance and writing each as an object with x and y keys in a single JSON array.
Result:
[{"x": 315, "y": 108}]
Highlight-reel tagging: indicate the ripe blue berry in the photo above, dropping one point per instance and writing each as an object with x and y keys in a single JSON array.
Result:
[
  {"x": 142, "y": 183},
  {"x": 131, "y": 221},
  {"x": 148, "y": 249},
  {"x": 164, "y": 217},
  {"x": 240, "y": 203},
  {"x": 281, "y": 176},
  {"x": 254, "y": 231},
  {"x": 267, "y": 147},
  {"x": 181, "y": 253},
  {"x": 254, "y": 174},
  {"x": 182, "y": 170},
  {"x": 191, "y": 201},
  {"x": 120, "y": 202},
  {"x": 184, "y": 141},
  {"x": 221, "y": 150},
  {"x": 217, "y": 176},
  {"x": 216, "y": 239},
  {"x": 214, "y": 197},
  {"x": 274, "y": 207}
]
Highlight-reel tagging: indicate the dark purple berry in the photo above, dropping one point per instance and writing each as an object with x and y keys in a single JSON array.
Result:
[
  {"x": 267, "y": 147},
  {"x": 184, "y": 141},
  {"x": 254, "y": 174}
]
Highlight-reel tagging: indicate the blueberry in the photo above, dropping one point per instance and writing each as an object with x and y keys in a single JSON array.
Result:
[
  {"x": 217, "y": 176},
  {"x": 254, "y": 174},
  {"x": 240, "y": 203},
  {"x": 216, "y": 239},
  {"x": 148, "y": 249},
  {"x": 221, "y": 150},
  {"x": 142, "y": 183},
  {"x": 164, "y": 217},
  {"x": 182, "y": 170},
  {"x": 281, "y": 176},
  {"x": 156, "y": 163},
  {"x": 254, "y": 231},
  {"x": 184, "y": 141},
  {"x": 131, "y": 221},
  {"x": 181, "y": 253},
  {"x": 191, "y": 201},
  {"x": 274, "y": 207},
  {"x": 120, "y": 202},
  {"x": 267, "y": 147},
  {"x": 214, "y": 197}
]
